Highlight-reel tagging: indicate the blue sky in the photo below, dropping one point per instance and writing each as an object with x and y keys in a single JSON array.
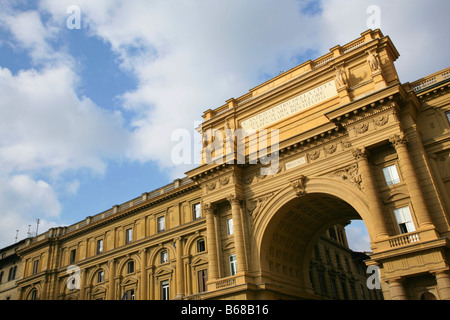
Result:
[{"x": 86, "y": 115}]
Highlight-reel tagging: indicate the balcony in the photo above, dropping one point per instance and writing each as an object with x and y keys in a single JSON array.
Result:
[{"x": 404, "y": 239}]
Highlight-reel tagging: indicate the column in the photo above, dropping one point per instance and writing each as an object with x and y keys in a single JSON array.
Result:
[
  {"x": 82, "y": 284},
  {"x": 180, "y": 269},
  {"x": 211, "y": 241},
  {"x": 188, "y": 278},
  {"x": 143, "y": 254},
  {"x": 412, "y": 182},
  {"x": 397, "y": 289},
  {"x": 112, "y": 271},
  {"x": 151, "y": 283},
  {"x": 238, "y": 232},
  {"x": 443, "y": 284},
  {"x": 370, "y": 190}
]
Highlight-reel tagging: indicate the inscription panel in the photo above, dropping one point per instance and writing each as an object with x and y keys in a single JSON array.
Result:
[{"x": 291, "y": 107}]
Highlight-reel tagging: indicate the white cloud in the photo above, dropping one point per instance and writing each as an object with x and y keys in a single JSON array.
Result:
[
  {"x": 46, "y": 128},
  {"x": 358, "y": 236},
  {"x": 22, "y": 199},
  {"x": 45, "y": 125},
  {"x": 192, "y": 56}
]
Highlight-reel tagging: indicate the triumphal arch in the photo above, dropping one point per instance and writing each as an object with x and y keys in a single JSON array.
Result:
[
  {"x": 342, "y": 139},
  {"x": 331, "y": 140}
]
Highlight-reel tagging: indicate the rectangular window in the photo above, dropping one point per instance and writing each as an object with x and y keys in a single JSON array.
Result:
[
  {"x": 202, "y": 279},
  {"x": 35, "y": 266},
  {"x": 128, "y": 235},
  {"x": 99, "y": 246},
  {"x": 130, "y": 267},
  {"x": 73, "y": 254},
  {"x": 197, "y": 211},
  {"x": 323, "y": 287},
  {"x": 100, "y": 276},
  {"x": 230, "y": 228},
  {"x": 404, "y": 220},
  {"x": 165, "y": 290},
  {"x": 233, "y": 265},
  {"x": 334, "y": 288},
  {"x": 161, "y": 224},
  {"x": 448, "y": 116},
  {"x": 201, "y": 245},
  {"x": 164, "y": 257},
  {"x": 391, "y": 175},
  {"x": 128, "y": 295}
]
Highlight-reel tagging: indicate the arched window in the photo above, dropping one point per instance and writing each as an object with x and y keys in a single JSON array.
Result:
[
  {"x": 33, "y": 295},
  {"x": 12, "y": 273}
]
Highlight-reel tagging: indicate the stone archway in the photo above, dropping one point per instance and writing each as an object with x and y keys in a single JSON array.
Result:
[{"x": 290, "y": 225}]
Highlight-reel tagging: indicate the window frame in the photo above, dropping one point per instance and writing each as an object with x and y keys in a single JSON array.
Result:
[
  {"x": 196, "y": 213},
  {"x": 201, "y": 244},
  {"x": 128, "y": 235},
  {"x": 233, "y": 264},
  {"x": 35, "y": 269},
  {"x": 100, "y": 276},
  {"x": 131, "y": 268},
  {"x": 406, "y": 223},
  {"x": 202, "y": 276},
  {"x": 391, "y": 180},
  {"x": 164, "y": 257},
  {"x": 165, "y": 290},
  {"x": 230, "y": 226},
  {"x": 73, "y": 255},
  {"x": 161, "y": 227},
  {"x": 100, "y": 246}
]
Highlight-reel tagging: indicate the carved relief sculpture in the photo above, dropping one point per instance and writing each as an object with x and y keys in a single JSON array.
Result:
[
  {"x": 340, "y": 78},
  {"x": 299, "y": 186},
  {"x": 372, "y": 61}
]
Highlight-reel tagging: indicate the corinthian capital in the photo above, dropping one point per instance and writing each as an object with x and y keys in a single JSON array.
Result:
[
  {"x": 234, "y": 199},
  {"x": 360, "y": 153},
  {"x": 398, "y": 139},
  {"x": 207, "y": 207}
]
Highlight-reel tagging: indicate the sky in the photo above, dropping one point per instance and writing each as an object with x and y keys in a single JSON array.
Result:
[{"x": 91, "y": 91}]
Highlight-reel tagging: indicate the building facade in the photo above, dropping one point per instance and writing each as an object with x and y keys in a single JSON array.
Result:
[
  {"x": 338, "y": 273},
  {"x": 331, "y": 140},
  {"x": 10, "y": 271}
]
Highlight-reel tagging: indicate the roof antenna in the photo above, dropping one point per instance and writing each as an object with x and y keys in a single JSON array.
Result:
[
  {"x": 17, "y": 234},
  {"x": 29, "y": 233},
  {"x": 37, "y": 226}
]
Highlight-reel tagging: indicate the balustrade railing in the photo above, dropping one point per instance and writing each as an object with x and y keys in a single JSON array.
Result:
[{"x": 404, "y": 239}]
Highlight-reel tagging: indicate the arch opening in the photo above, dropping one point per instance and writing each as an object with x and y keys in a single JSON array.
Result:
[{"x": 293, "y": 248}]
